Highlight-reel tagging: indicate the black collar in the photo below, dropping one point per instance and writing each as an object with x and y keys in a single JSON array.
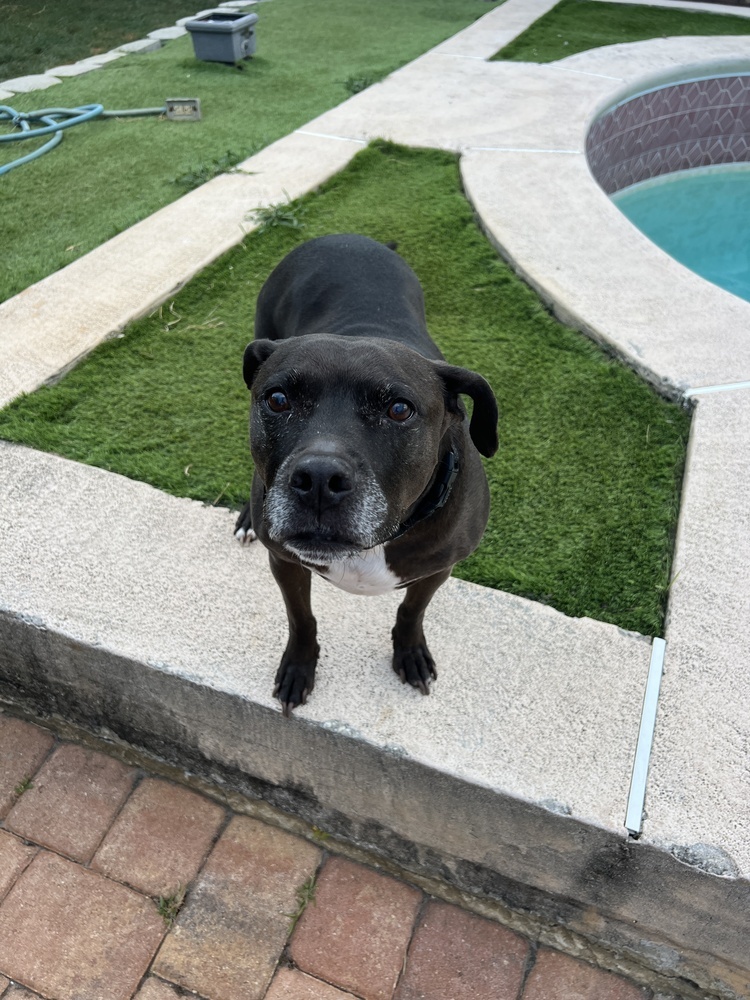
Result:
[{"x": 435, "y": 496}]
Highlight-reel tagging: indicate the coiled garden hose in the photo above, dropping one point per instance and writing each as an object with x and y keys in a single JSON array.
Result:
[{"x": 54, "y": 121}]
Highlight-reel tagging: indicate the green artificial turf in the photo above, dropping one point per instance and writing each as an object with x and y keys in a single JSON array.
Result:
[
  {"x": 37, "y": 36},
  {"x": 576, "y": 25},
  {"x": 108, "y": 174},
  {"x": 584, "y": 486}
]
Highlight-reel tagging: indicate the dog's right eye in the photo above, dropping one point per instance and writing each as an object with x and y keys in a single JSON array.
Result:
[
  {"x": 400, "y": 411},
  {"x": 278, "y": 401}
]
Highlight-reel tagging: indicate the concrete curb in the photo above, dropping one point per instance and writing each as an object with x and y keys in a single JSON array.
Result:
[
  {"x": 461, "y": 785},
  {"x": 46, "y": 329}
]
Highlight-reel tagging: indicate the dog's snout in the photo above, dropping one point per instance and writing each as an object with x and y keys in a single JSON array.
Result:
[{"x": 321, "y": 481}]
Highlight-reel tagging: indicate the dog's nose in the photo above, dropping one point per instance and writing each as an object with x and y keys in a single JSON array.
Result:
[{"x": 321, "y": 481}]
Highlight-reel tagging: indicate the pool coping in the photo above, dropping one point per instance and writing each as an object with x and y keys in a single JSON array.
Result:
[{"x": 74, "y": 650}]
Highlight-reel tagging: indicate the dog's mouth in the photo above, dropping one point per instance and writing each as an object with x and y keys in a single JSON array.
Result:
[
  {"x": 334, "y": 529},
  {"x": 320, "y": 550}
]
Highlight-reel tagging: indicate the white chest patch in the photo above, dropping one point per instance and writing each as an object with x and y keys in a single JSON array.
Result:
[{"x": 366, "y": 573}]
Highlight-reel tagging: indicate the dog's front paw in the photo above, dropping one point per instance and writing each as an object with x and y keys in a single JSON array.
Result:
[
  {"x": 415, "y": 666},
  {"x": 243, "y": 528},
  {"x": 295, "y": 679}
]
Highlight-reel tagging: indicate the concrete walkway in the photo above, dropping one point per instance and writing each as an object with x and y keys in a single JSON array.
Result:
[
  {"x": 512, "y": 779},
  {"x": 119, "y": 883}
]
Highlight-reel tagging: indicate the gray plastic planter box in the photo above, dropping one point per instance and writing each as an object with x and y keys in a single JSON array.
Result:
[{"x": 223, "y": 36}]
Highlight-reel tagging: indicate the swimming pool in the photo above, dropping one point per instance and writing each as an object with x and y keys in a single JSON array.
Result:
[
  {"x": 675, "y": 159},
  {"x": 701, "y": 217}
]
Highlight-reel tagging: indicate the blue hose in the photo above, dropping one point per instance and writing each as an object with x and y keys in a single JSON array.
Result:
[{"x": 55, "y": 120}]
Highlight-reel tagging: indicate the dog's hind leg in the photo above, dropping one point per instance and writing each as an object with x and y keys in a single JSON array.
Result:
[
  {"x": 412, "y": 660},
  {"x": 295, "y": 677}
]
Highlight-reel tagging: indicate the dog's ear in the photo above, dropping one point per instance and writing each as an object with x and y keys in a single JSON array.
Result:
[
  {"x": 483, "y": 426},
  {"x": 256, "y": 352}
]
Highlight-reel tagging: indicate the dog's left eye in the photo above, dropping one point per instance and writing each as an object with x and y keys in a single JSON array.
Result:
[
  {"x": 400, "y": 410},
  {"x": 277, "y": 401}
]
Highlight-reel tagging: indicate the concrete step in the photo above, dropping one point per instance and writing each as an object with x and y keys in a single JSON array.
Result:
[{"x": 133, "y": 613}]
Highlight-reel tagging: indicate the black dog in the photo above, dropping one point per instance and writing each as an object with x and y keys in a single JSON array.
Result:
[{"x": 367, "y": 470}]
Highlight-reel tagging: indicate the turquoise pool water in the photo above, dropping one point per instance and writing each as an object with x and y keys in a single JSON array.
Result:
[{"x": 701, "y": 217}]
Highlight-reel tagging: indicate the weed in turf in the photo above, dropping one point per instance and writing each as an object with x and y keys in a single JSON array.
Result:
[
  {"x": 196, "y": 176},
  {"x": 577, "y": 25},
  {"x": 287, "y": 214},
  {"x": 305, "y": 896},
  {"x": 221, "y": 495},
  {"x": 585, "y": 485},
  {"x": 23, "y": 786},
  {"x": 169, "y": 906},
  {"x": 168, "y": 323},
  {"x": 356, "y": 84}
]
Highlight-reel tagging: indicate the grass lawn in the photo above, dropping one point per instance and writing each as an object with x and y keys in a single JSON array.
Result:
[
  {"x": 108, "y": 174},
  {"x": 585, "y": 484},
  {"x": 576, "y": 25},
  {"x": 38, "y": 36}
]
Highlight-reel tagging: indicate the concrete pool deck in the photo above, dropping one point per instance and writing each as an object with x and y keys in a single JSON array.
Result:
[{"x": 143, "y": 619}]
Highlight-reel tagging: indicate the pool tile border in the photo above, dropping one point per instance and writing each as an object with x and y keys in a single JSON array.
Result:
[{"x": 676, "y": 127}]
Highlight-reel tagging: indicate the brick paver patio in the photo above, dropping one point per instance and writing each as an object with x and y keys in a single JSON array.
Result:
[{"x": 89, "y": 847}]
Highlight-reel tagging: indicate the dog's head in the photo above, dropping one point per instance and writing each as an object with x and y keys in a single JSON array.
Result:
[{"x": 346, "y": 435}]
